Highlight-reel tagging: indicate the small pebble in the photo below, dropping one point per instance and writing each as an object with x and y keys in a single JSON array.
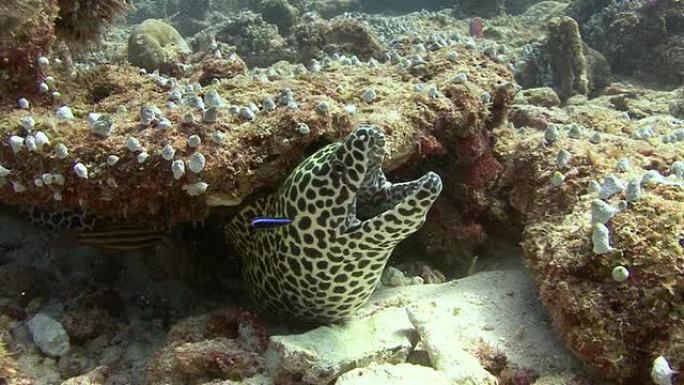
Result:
[
  {"x": 369, "y": 95},
  {"x": 64, "y": 114},
  {"x": 563, "y": 158},
  {"x": 620, "y": 273},
  {"x": 194, "y": 141}
]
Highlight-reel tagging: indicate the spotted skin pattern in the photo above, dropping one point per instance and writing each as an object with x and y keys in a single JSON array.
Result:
[{"x": 325, "y": 265}]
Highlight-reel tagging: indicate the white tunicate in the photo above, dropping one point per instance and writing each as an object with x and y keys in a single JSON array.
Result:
[
  {"x": 677, "y": 169},
  {"x": 620, "y": 274},
  {"x": 351, "y": 109},
  {"x": 38, "y": 182},
  {"x": 92, "y": 118},
  {"x": 196, "y": 163},
  {"x": 30, "y": 143},
  {"x": 61, "y": 151},
  {"x": 460, "y": 78},
  {"x": 644, "y": 132},
  {"x": 611, "y": 186},
  {"x": 486, "y": 97},
  {"x": 563, "y": 158},
  {"x": 303, "y": 128},
  {"x": 27, "y": 123},
  {"x": 210, "y": 115},
  {"x": 661, "y": 373},
  {"x": 286, "y": 97},
  {"x": 178, "y": 169},
  {"x": 193, "y": 101},
  {"x": 595, "y": 138},
  {"x": 176, "y": 96},
  {"x": 247, "y": 114},
  {"x": 623, "y": 164},
  {"x": 41, "y": 139},
  {"x": 195, "y": 189},
  {"x": 433, "y": 91},
  {"x": 218, "y": 137},
  {"x": 601, "y": 212},
  {"x": 188, "y": 118},
  {"x": 557, "y": 178},
  {"x": 213, "y": 99},
  {"x": 47, "y": 179},
  {"x": 323, "y": 107},
  {"x": 17, "y": 143},
  {"x": 58, "y": 179},
  {"x": 633, "y": 191},
  {"x": 268, "y": 104},
  {"x": 57, "y": 196},
  {"x": 64, "y": 114},
  {"x": 369, "y": 95},
  {"x": 168, "y": 152},
  {"x": 551, "y": 134},
  {"x": 600, "y": 238},
  {"x": 43, "y": 61},
  {"x": 252, "y": 106},
  {"x": 4, "y": 172},
  {"x": 194, "y": 141},
  {"x": 133, "y": 144},
  {"x": 18, "y": 187},
  {"x": 651, "y": 176},
  {"x": 81, "y": 170},
  {"x": 23, "y": 103},
  {"x": 575, "y": 131},
  {"x": 142, "y": 157},
  {"x": 112, "y": 160},
  {"x": 147, "y": 115},
  {"x": 164, "y": 124}
]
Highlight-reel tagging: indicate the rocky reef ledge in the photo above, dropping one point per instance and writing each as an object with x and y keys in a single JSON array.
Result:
[{"x": 116, "y": 141}]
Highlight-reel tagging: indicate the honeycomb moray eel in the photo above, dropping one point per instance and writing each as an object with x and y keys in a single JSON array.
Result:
[{"x": 325, "y": 265}]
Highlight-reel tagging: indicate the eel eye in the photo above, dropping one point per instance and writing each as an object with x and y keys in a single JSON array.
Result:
[{"x": 338, "y": 169}]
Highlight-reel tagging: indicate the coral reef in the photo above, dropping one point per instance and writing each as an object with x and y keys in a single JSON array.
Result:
[
  {"x": 256, "y": 41},
  {"x": 568, "y": 62},
  {"x": 278, "y": 12},
  {"x": 225, "y": 344},
  {"x": 618, "y": 29},
  {"x": 616, "y": 325},
  {"x": 156, "y": 46},
  {"x": 563, "y": 61},
  {"x": 328, "y": 8},
  {"x": 81, "y": 22},
  {"x": 32, "y": 35},
  {"x": 340, "y": 35}
]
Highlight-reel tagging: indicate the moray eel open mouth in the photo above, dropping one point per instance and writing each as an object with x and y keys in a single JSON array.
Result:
[{"x": 346, "y": 220}]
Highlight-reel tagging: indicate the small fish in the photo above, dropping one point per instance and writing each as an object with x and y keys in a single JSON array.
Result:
[
  {"x": 112, "y": 237},
  {"x": 263, "y": 223}
]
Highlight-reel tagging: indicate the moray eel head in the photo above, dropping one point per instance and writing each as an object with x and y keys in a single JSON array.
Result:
[{"x": 346, "y": 220}]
